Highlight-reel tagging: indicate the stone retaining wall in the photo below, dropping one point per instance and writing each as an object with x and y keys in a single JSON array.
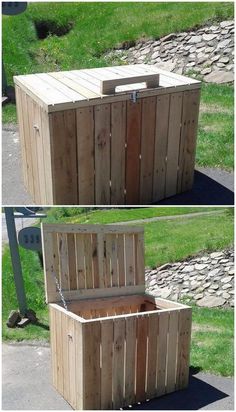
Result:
[{"x": 207, "y": 280}]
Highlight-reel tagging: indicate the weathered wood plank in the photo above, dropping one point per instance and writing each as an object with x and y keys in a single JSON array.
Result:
[
  {"x": 102, "y": 154},
  {"x": 106, "y": 370},
  {"x": 133, "y": 152},
  {"x": 142, "y": 331},
  {"x": 85, "y": 149},
  {"x": 184, "y": 339},
  {"x": 118, "y": 363},
  {"x": 130, "y": 359},
  {"x": 147, "y": 149},
  {"x": 118, "y": 139}
]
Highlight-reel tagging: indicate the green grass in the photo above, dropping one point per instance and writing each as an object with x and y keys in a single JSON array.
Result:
[
  {"x": 98, "y": 27},
  {"x": 216, "y": 127},
  {"x": 212, "y": 347},
  {"x": 110, "y": 215}
]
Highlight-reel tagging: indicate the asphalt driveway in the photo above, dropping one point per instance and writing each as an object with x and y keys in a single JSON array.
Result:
[{"x": 26, "y": 385}]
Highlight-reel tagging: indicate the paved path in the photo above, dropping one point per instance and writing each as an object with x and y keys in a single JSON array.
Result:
[
  {"x": 173, "y": 217},
  {"x": 26, "y": 384},
  {"x": 211, "y": 186}
]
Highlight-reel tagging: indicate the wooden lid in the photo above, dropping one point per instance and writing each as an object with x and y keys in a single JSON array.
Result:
[
  {"x": 91, "y": 261},
  {"x": 79, "y": 88}
]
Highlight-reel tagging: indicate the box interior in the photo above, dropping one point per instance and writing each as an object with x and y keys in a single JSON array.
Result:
[{"x": 113, "y": 306}]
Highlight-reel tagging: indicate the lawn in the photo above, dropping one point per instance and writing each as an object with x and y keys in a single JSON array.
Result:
[{"x": 98, "y": 27}]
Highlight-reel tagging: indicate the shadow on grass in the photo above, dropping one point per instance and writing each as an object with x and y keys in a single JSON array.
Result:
[{"x": 41, "y": 325}]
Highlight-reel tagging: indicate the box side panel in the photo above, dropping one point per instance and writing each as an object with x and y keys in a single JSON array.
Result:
[
  {"x": 64, "y": 157},
  {"x": 191, "y": 102}
]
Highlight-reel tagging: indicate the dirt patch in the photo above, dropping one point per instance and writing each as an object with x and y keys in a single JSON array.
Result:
[{"x": 45, "y": 28}]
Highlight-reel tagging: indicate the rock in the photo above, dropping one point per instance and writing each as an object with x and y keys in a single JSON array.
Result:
[
  {"x": 195, "y": 39},
  {"x": 215, "y": 58},
  {"x": 211, "y": 302},
  {"x": 214, "y": 272},
  {"x": 168, "y": 37},
  {"x": 216, "y": 255},
  {"x": 145, "y": 51},
  {"x": 13, "y": 318},
  {"x": 165, "y": 293},
  {"x": 155, "y": 55},
  {"x": 223, "y": 44},
  {"x": 220, "y": 65},
  {"x": 219, "y": 77},
  {"x": 231, "y": 272},
  {"x": 214, "y": 286},
  {"x": 224, "y": 60},
  {"x": 207, "y": 70},
  {"x": 188, "y": 269},
  {"x": 225, "y": 295},
  {"x": 227, "y": 279},
  {"x": 209, "y": 37},
  {"x": 200, "y": 266},
  {"x": 23, "y": 322},
  {"x": 153, "y": 282},
  {"x": 199, "y": 296},
  {"x": 206, "y": 285},
  {"x": 226, "y": 286},
  {"x": 169, "y": 66},
  {"x": 226, "y": 23}
]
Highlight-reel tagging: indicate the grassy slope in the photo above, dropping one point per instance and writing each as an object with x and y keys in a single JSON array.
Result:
[{"x": 101, "y": 26}]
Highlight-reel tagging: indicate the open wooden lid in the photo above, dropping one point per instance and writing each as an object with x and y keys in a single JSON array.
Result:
[
  {"x": 80, "y": 88},
  {"x": 91, "y": 261}
]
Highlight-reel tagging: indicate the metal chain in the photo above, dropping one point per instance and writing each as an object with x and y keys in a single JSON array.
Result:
[{"x": 60, "y": 291}]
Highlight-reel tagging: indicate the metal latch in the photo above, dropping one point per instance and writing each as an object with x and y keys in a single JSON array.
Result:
[{"x": 134, "y": 96}]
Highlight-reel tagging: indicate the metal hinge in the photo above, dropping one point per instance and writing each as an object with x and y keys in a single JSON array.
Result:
[{"x": 134, "y": 96}]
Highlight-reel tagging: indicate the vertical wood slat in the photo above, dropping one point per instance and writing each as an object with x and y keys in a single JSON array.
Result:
[
  {"x": 173, "y": 143},
  {"x": 72, "y": 360},
  {"x": 64, "y": 157},
  {"x": 101, "y": 260},
  {"x": 65, "y": 355},
  {"x": 160, "y": 148},
  {"x": 85, "y": 154},
  {"x": 108, "y": 252},
  {"x": 51, "y": 264},
  {"x": 139, "y": 257},
  {"x": 26, "y": 125},
  {"x": 24, "y": 150},
  {"x": 80, "y": 266},
  {"x": 142, "y": 332},
  {"x": 47, "y": 156},
  {"x": 133, "y": 152},
  {"x": 129, "y": 259},
  {"x": 118, "y": 140},
  {"x": 53, "y": 344},
  {"x": 190, "y": 141},
  {"x": 63, "y": 261},
  {"x": 114, "y": 263},
  {"x": 30, "y": 107},
  {"x": 71, "y": 261},
  {"x": 120, "y": 257},
  {"x": 130, "y": 360},
  {"x": 161, "y": 355},
  {"x": 59, "y": 352},
  {"x": 184, "y": 338},
  {"x": 39, "y": 145},
  {"x": 107, "y": 357},
  {"x": 172, "y": 352},
  {"x": 88, "y": 260},
  {"x": 118, "y": 363},
  {"x": 147, "y": 149},
  {"x": 153, "y": 331},
  {"x": 95, "y": 261},
  {"x": 102, "y": 154},
  {"x": 91, "y": 365},
  {"x": 79, "y": 367}
]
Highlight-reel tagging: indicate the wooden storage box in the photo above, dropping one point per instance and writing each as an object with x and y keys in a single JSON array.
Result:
[
  {"x": 114, "y": 345},
  {"x": 86, "y": 141}
]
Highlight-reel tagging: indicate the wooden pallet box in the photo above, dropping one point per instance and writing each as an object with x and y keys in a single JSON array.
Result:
[
  {"x": 114, "y": 135},
  {"x": 113, "y": 345}
]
